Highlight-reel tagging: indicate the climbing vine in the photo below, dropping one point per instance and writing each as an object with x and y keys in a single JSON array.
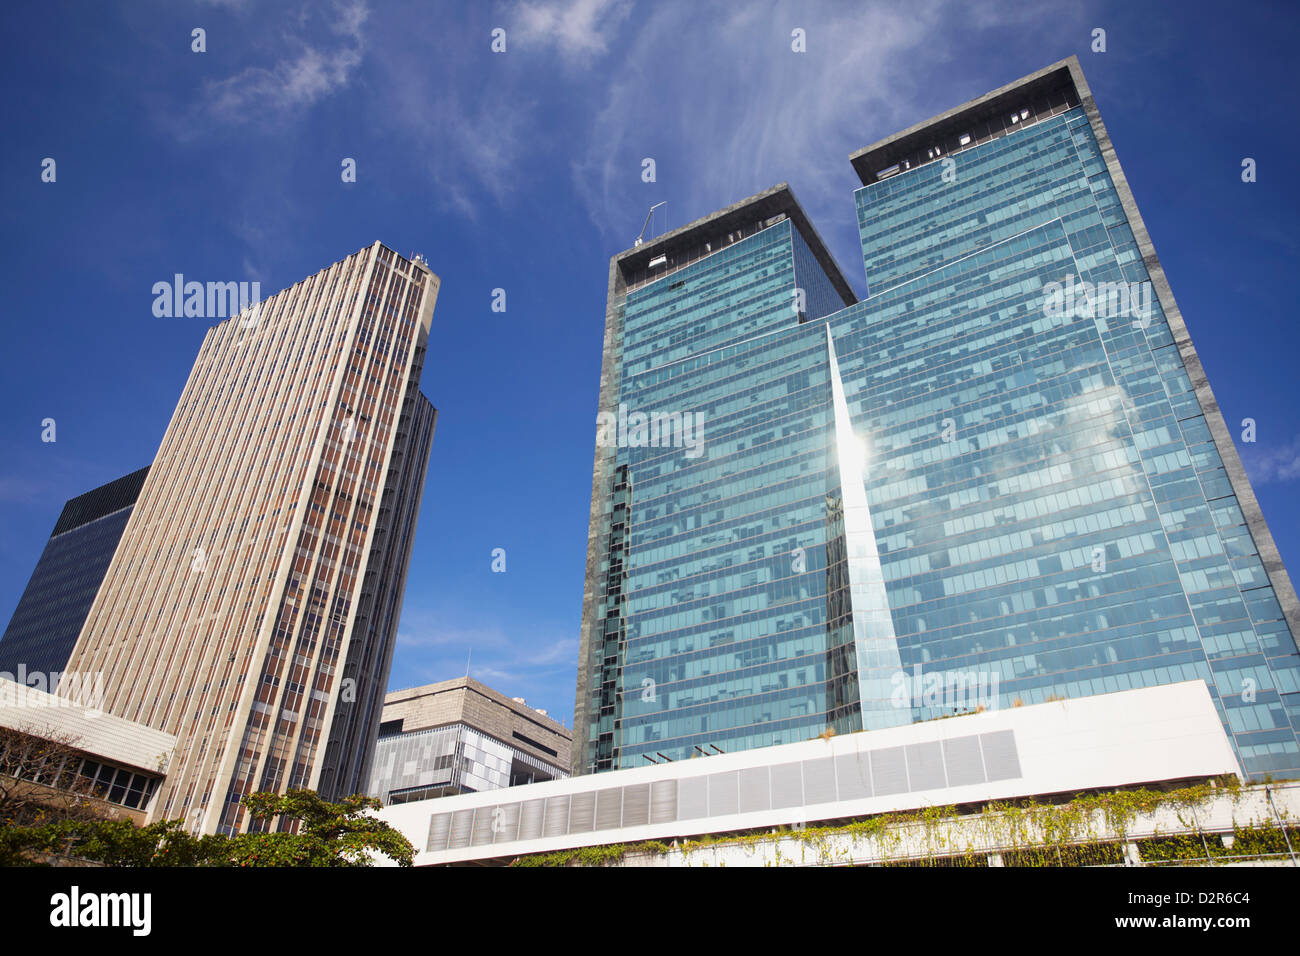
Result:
[{"x": 1089, "y": 830}]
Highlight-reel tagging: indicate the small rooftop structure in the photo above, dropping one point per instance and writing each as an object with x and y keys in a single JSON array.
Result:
[
  {"x": 713, "y": 232},
  {"x": 1039, "y": 95}
]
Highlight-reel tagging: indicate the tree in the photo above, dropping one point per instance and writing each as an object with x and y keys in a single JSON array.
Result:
[
  {"x": 313, "y": 832},
  {"x": 322, "y": 833},
  {"x": 39, "y": 782},
  {"x": 110, "y": 843}
]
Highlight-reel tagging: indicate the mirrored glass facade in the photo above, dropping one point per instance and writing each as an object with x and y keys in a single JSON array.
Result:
[{"x": 1003, "y": 465}]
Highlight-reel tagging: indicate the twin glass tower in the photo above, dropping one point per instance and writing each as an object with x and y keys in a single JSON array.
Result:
[{"x": 1004, "y": 467}]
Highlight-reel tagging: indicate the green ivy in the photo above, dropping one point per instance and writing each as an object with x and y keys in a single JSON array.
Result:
[
  {"x": 592, "y": 855},
  {"x": 1042, "y": 833}
]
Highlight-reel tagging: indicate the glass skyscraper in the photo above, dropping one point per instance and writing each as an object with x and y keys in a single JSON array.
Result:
[
  {"x": 1004, "y": 465},
  {"x": 45, "y": 625}
]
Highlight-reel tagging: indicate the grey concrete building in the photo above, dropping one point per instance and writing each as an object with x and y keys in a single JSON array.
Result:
[{"x": 461, "y": 736}]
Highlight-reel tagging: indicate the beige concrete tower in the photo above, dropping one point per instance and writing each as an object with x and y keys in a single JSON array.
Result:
[{"x": 251, "y": 607}]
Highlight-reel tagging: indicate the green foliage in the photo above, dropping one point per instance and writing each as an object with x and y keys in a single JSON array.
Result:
[
  {"x": 1076, "y": 854},
  {"x": 591, "y": 855},
  {"x": 326, "y": 834},
  {"x": 110, "y": 842},
  {"x": 1247, "y": 841},
  {"x": 1250, "y": 841},
  {"x": 313, "y": 832}
]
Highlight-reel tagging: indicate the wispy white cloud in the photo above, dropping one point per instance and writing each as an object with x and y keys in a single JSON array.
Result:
[
  {"x": 741, "y": 110},
  {"x": 427, "y": 633},
  {"x": 1276, "y": 464},
  {"x": 436, "y": 646},
  {"x": 312, "y": 69},
  {"x": 580, "y": 29},
  {"x": 726, "y": 107},
  {"x": 466, "y": 125},
  {"x": 478, "y": 126},
  {"x": 471, "y": 147},
  {"x": 528, "y": 666}
]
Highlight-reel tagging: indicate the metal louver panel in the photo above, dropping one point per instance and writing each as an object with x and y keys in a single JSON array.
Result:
[
  {"x": 787, "y": 786},
  {"x": 530, "y": 819},
  {"x": 724, "y": 793},
  {"x": 1001, "y": 759},
  {"x": 692, "y": 798},
  {"x": 853, "y": 772},
  {"x": 557, "y": 816},
  {"x": 439, "y": 831},
  {"x": 609, "y": 808},
  {"x": 636, "y": 805},
  {"x": 755, "y": 790},
  {"x": 462, "y": 822},
  {"x": 582, "y": 812},
  {"x": 506, "y": 829},
  {"x": 889, "y": 771},
  {"x": 485, "y": 819},
  {"x": 663, "y": 801},
  {"x": 925, "y": 766},
  {"x": 962, "y": 758}
]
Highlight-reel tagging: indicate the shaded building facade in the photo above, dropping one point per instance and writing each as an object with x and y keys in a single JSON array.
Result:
[
  {"x": 53, "y": 607},
  {"x": 1005, "y": 464}
]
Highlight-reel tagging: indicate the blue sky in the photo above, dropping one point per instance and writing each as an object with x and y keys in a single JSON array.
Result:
[{"x": 522, "y": 170}]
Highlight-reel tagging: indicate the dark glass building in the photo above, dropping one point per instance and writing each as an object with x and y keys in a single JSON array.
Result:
[
  {"x": 1003, "y": 467},
  {"x": 45, "y": 625}
]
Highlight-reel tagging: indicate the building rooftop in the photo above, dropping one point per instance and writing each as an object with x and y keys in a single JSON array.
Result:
[
  {"x": 1043, "y": 93},
  {"x": 101, "y": 501},
  {"x": 76, "y": 722},
  {"x": 465, "y": 700},
  {"x": 770, "y": 203}
]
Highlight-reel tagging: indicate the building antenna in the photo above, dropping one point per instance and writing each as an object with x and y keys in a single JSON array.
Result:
[
  {"x": 641, "y": 238},
  {"x": 468, "y": 658}
]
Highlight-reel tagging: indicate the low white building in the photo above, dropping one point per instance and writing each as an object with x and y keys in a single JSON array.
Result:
[
  {"x": 100, "y": 755},
  {"x": 1158, "y": 736}
]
